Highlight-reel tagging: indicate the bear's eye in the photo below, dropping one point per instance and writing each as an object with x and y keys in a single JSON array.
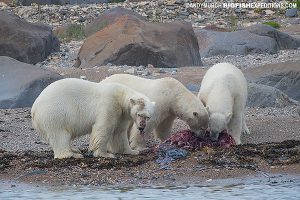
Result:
[
  {"x": 195, "y": 114},
  {"x": 139, "y": 115},
  {"x": 147, "y": 118}
]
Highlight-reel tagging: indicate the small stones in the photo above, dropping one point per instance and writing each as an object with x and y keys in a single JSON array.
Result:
[
  {"x": 131, "y": 71},
  {"x": 291, "y": 12},
  {"x": 254, "y": 60},
  {"x": 83, "y": 77}
]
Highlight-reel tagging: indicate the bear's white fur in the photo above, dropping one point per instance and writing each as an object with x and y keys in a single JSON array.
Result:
[
  {"x": 70, "y": 108},
  {"x": 224, "y": 92},
  {"x": 172, "y": 100}
]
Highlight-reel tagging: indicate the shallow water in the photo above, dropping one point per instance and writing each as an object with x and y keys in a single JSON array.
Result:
[{"x": 275, "y": 187}]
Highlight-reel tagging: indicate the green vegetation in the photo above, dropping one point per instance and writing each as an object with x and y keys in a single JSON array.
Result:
[
  {"x": 258, "y": 10},
  {"x": 233, "y": 22},
  {"x": 70, "y": 32},
  {"x": 272, "y": 23},
  {"x": 96, "y": 27}
]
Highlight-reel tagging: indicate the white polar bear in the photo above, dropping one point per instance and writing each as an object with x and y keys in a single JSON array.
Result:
[
  {"x": 71, "y": 107},
  {"x": 172, "y": 100},
  {"x": 224, "y": 93}
]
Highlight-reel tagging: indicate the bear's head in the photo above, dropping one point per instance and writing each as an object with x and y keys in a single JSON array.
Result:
[
  {"x": 196, "y": 116},
  {"x": 218, "y": 123},
  {"x": 141, "y": 111}
]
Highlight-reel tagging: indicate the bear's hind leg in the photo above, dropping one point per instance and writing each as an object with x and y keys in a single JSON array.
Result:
[
  {"x": 60, "y": 143},
  {"x": 235, "y": 128},
  {"x": 245, "y": 128}
]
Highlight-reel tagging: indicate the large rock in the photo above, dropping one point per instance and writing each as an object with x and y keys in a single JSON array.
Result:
[
  {"x": 21, "y": 83},
  {"x": 266, "y": 96},
  {"x": 212, "y": 43},
  {"x": 283, "y": 76},
  {"x": 283, "y": 40},
  {"x": 254, "y": 39},
  {"x": 24, "y": 41},
  {"x": 131, "y": 40},
  {"x": 109, "y": 17}
]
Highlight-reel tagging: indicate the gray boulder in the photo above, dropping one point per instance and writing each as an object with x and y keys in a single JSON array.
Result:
[
  {"x": 24, "y": 41},
  {"x": 266, "y": 96},
  {"x": 283, "y": 40},
  {"x": 21, "y": 83},
  {"x": 258, "y": 38},
  {"x": 291, "y": 12},
  {"x": 212, "y": 43},
  {"x": 283, "y": 76},
  {"x": 288, "y": 82}
]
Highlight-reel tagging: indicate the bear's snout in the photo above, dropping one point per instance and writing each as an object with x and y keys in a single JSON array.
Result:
[
  {"x": 143, "y": 123},
  {"x": 141, "y": 129}
]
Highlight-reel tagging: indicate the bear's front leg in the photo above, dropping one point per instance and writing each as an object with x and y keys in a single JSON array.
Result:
[
  {"x": 136, "y": 140},
  {"x": 99, "y": 140},
  {"x": 99, "y": 153},
  {"x": 126, "y": 146},
  {"x": 120, "y": 142}
]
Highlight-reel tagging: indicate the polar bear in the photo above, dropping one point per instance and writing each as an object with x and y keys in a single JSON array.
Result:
[
  {"x": 172, "y": 100},
  {"x": 71, "y": 107},
  {"x": 224, "y": 93}
]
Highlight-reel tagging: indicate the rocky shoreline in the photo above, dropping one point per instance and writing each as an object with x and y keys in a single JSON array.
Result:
[
  {"x": 157, "y": 11},
  {"x": 273, "y": 146}
]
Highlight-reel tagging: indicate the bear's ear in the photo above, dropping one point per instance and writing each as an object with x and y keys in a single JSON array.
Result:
[
  {"x": 228, "y": 117},
  {"x": 132, "y": 101},
  {"x": 140, "y": 101},
  {"x": 203, "y": 102},
  {"x": 195, "y": 114}
]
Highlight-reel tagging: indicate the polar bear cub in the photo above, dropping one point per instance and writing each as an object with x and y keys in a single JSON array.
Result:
[
  {"x": 71, "y": 107},
  {"x": 224, "y": 93},
  {"x": 172, "y": 100}
]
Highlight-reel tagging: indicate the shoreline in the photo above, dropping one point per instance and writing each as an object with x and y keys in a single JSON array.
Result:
[{"x": 31, "y": 161}]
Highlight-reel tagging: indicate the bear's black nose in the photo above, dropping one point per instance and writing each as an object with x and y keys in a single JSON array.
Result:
[{"x": 141, "y": 129}]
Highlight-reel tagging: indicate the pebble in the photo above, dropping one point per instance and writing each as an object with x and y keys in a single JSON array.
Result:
[
  {"x": 131, "y": 71},
  {"x": 254, "y": 60}
]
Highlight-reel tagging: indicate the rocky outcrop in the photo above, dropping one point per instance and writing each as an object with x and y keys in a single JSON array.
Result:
[
  {"x": 254, "y": 39},
  {"x": 24, "y": 41},
  {"x": 21, "y": 83},
  {"x": 283, "y": 40},
  {"x": 109, "y": 17},
  {"x": 131, "y": 40},
  {"x": 212, "y": 43},
  {"x": 267, "y": 96},
  {"x": 283, "y": 76}
]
